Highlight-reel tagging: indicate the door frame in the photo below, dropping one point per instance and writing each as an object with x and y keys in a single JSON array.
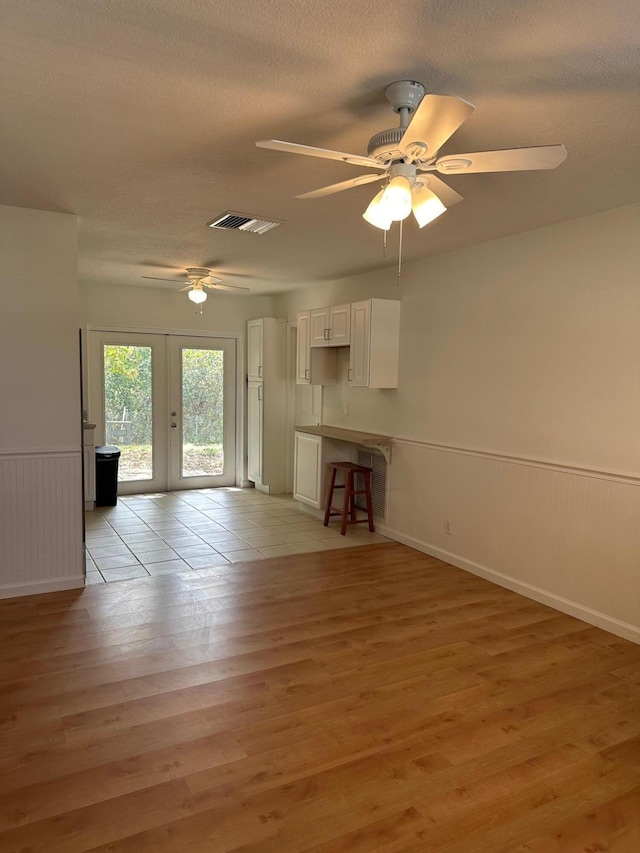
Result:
[{"x": 94, "y": 400}]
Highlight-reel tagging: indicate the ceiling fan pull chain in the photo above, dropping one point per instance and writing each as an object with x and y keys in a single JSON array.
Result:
[
  {"x": 384, "y": 244},
  {"x": 400, "y": 254}
]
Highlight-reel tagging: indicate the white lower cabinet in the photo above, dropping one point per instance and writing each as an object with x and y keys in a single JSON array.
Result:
[
  {"x": 266, "y": 404},
  {"x": 255, "y": 432},
  {"x": 307, "y": 469},
  {"x": 311, "y": 454}
]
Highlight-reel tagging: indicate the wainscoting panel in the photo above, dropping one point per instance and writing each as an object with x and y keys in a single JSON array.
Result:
[
  {"x": 41, "y": 502},
  {"x": 567, "y": 537}
]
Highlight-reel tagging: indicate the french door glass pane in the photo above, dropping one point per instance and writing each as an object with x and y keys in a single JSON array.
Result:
[
  {"x": 202, "y": 412},
  {"x": 128, "y": 408}
]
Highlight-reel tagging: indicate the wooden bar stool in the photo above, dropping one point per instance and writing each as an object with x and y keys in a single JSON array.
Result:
[{"x": 349, "y": 507}]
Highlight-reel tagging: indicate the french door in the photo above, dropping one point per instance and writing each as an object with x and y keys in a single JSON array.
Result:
[{"x": 169, "y": 403}]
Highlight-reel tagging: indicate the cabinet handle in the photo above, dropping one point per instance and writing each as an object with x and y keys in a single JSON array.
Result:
[
  {"x": 329, "y": 334},
  {"x": 306, "y": 373},
  {"x": 349, "y": 375},
  {"x": 260, "y": 371},
  {"x": 259, "y": 392}
]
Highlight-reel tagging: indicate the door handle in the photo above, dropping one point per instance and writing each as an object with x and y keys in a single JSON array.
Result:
[
  {"x": 349, "y": 375},
  {"x": 173, "y": 425},
  {"x": 306, "y": 373},
  {"x": 173, "y": 414}
]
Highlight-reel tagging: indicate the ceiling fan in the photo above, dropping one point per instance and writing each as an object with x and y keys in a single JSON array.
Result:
[
  {"x": 406, "y": 157},
  {"x": 199, "y": 278}
]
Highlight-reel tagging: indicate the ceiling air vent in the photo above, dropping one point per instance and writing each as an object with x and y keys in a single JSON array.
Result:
[{"x": 230, "y": 221}]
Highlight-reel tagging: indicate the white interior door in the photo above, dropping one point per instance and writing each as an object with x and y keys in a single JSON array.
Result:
[{"x": 169, "y": 404}]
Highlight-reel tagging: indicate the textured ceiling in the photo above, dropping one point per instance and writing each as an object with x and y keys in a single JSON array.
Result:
[{"x": 140, "y": 116}]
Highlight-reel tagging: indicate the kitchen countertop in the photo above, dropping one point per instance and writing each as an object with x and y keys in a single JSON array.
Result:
[{"x": 367, "y": 439}]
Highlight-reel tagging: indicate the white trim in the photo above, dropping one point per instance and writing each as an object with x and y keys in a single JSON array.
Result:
[
  {"x": 188, "y": 333},
  {"x": 613, "y": 476},
  {"x": 565, "y": 605},
  {"x": 38, "y": 587},
  {"x": 38, "y": 452}
]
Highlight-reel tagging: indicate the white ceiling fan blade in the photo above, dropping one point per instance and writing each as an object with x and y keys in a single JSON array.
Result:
[
  {"x": 435, "y": 120},
  {"x": 209, "y": 279},
  {"x": 232, "y": 287},
  {"x": 343, "y": 185},
  {"x": 326, "y": 153},
  {"x": 445, "y": 193},
  {"x": 188, "y": 287},
  {"x": 508, "y": 160},
  {"x": 157, "y": 278}
]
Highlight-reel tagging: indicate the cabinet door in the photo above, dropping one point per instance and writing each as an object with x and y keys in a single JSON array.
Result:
[
  {"x": 339, "y": 325},
  {"x": 302, "y": 349},
  {"x": 359, "y": 349},
  {"x": 319, "y": 328},
  {"x": 307, "y": 471},
  {"x": 255, "y": 331},
  {"x": 255, "y": 432}
]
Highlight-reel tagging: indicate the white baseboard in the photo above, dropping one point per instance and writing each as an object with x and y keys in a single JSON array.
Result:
[
  {"x": 38, "y": 587},
  {"x": 565, "y": 605}
]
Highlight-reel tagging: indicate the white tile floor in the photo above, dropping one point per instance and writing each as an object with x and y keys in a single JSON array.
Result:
[{"x": 147, "y": 535}]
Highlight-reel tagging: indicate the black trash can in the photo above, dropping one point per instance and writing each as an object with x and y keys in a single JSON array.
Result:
[{"x": 107, "y": 475}]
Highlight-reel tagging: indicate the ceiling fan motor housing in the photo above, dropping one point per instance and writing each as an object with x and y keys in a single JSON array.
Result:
[
  {"x": 197, "y": 273},
  {"x": 383, "y": 146}
]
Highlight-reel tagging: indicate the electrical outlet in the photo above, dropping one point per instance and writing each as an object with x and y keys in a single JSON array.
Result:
[{"x": 448, "y": 526}]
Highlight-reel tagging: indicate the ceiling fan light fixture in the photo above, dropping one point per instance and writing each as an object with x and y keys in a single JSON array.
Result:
[
  {"x": 396, "y": 198},
  {"x": 377, "y": 213},
  {"x": 197, "y": 295},
  {"x": 426, "y": 205}
]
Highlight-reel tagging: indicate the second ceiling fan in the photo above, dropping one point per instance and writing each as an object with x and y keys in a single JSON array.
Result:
[
  {"x": 406, "y": 157},
  {"x": 198, "y": 278}
]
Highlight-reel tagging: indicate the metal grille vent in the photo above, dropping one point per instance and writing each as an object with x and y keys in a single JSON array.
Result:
[
  {"x": 230, "y": 221},
  {"x": 378, "y": 482}
]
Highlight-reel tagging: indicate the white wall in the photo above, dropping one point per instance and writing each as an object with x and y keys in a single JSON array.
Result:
[
  {"x": 39, "y": 385},
  {"x": 518, "y": 410},
  {"x": 162, "y": 309},
  {"x": 40, "y": 427}
]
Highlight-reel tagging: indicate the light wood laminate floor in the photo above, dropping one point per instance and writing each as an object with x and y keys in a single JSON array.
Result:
[{"x": 346, "y": 701}]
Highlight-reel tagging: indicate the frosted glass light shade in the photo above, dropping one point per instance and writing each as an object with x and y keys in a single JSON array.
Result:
[
  {"x": 197, "y": 296},
  {"x": 426, "y": 205},
  {"x": 396, "y": 198},
  {"x": 376, "y": 214}
]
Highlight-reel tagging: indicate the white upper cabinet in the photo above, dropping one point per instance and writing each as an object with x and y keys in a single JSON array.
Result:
[
  {"x": 339, "y": 325},
  {"x": 255, "y": 350},
  {"x": 371, "y": 330},
  {"x": 330, "y": 327},
  {"x": 303, "y": 373},
  {"x": 317, "y": 365},
  {"x": 375, "y": 343},
  {"x": 319, "y": 327}
]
